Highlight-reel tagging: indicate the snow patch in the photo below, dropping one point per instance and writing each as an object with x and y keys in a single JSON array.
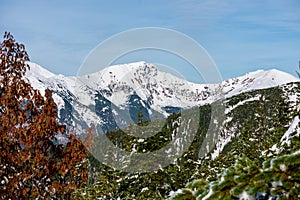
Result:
[
  {"x": 292, "y": 128},
  {"x": 228, "y": 110},
  {"x": 221, "y": 144},
  {"x": 245, "y": 196},
  {"x": 144, "y": 189},
  {"x": 174, "y": 193}
]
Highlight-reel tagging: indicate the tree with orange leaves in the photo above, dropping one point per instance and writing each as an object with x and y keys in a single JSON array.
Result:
[{"x": 31, "y": 164}]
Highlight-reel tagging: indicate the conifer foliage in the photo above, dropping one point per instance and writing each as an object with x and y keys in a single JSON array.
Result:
[
  {"x": 278, "y": 178},
  {"x": 32, "y": 165}
]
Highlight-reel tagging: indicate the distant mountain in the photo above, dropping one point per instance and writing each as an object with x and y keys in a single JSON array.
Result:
[
  {"x": 260, "y": 124},
  {"x": 114, "y": 96}
]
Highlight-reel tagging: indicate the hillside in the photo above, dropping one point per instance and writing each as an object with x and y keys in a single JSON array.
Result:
[{"x": 260, "y": 125}]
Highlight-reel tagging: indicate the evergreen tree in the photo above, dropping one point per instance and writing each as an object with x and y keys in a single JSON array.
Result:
[
  {"x": 31, "y": 164},
  {"x": 277, "y": 178}
]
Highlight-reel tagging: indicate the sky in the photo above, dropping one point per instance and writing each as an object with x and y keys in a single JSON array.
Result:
[{"x": 239, "y": 36}]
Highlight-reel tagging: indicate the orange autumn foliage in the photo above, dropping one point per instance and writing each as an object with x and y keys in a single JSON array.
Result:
[{"x": 31, "y": 164}]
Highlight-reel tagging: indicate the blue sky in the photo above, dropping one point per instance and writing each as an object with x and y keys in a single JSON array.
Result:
[{"x": 240, "y": 36}]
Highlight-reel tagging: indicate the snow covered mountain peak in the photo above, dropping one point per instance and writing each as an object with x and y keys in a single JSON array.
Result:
[
  {"x": 157, "y": 89},
  {"x": 275, "y": 75},
  {"x": 127, "y": 66},
  {"x": 162, "y": 88},
  {"x": 38, "y": 71},
  {"x": 129, "y": 73},
  {"x": 131, "y": 86},
  {"x": 259, "y": 79}
]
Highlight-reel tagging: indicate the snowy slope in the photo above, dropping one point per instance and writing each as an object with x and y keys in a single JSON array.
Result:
[
  {"x": 159, "y": 89},
  {"x": 256, "y": 80},
  {"x": 102, "y": 96}
]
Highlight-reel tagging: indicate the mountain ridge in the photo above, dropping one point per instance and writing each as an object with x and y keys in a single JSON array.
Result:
[
  {"x": 284, "y": 77},
  {"x": 261, "y": 124},
  {"x": 138, "y": 86}
]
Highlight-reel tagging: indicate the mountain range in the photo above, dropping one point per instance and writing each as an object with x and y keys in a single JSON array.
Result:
[
  {"x": 113, "y": 97},
  {"x": 260, "y": 123}
]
